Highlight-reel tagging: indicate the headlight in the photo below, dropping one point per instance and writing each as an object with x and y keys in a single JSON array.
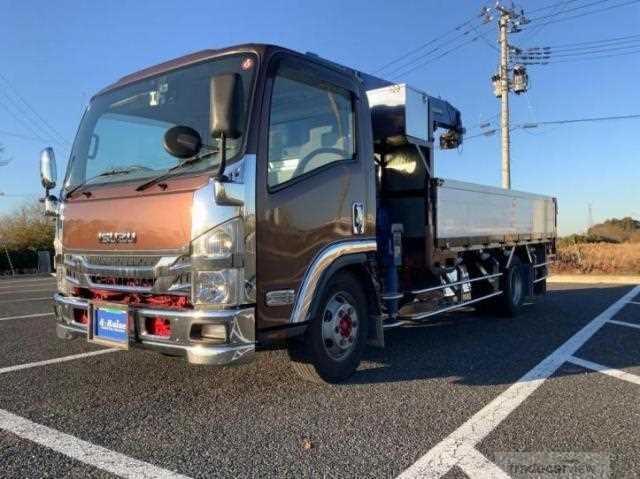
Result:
[
  {"x": 219, "y": 243},
  {"x": 217, "y": 287},
  {"x": 217, "y": 260}
]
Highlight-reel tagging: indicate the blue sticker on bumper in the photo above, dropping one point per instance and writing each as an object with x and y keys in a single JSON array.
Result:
[{"x": 111, "y": 325}]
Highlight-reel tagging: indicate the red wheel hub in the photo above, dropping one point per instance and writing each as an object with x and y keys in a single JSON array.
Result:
[{"x": 345, "y": 326}]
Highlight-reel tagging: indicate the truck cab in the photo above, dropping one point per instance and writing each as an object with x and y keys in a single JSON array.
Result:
[{"x": 227, "y": 201}]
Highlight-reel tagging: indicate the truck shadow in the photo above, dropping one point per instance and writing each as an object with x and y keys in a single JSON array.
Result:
[{"x": 476, "y": 349}]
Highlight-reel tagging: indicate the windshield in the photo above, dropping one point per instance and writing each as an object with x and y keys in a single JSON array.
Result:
[{"x": 122, "y": 131}]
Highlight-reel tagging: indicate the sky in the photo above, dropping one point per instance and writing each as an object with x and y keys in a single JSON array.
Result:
[{"x": 57, "y": 55}]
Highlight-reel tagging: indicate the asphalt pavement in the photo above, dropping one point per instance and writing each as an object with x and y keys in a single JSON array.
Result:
[{"x": 442, "y": 399}]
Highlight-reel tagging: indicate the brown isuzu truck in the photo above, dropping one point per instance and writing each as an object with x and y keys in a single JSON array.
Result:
[{"x": 254, "y": 197}]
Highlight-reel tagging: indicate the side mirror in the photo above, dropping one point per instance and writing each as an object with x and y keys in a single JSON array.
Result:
[
  {"x": 48, "y": 171},
  {"x": 227, "y": 97},
  {"x": 182, "y": 142}
]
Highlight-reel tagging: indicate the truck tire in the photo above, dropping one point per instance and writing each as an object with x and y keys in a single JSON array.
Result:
[
  {"x": 335, "y": 339},
  {"x": 508, "y": 304}
]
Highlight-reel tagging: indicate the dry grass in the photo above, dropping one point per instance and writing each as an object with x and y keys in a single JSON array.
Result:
[{"x": 598, "y": 258}]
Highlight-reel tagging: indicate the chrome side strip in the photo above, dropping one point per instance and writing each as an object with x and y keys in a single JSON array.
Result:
[
  {"x": 187, "y": 313},
  {"x": 418, "y": 317},
  {"x": 322, "y": 261},
  {"x": 457, "y": 283}
]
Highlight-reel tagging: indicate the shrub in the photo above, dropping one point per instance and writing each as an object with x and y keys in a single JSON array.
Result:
[
  {"x": 24, "y": 232},
  {"x": 598, "y": 258}
]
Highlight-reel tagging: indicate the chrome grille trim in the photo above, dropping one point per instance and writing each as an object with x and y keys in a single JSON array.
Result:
[{"x": 166, "y": 274}]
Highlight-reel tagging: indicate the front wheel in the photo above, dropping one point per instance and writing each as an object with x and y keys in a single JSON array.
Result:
[{"x": 336, "y": 336}]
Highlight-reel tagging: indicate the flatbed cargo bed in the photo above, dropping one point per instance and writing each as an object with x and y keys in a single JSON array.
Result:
[{"x": 470, "y": 216}]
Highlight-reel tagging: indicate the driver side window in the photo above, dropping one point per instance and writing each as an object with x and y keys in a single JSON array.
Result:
[{"x": 311, "y": 125}]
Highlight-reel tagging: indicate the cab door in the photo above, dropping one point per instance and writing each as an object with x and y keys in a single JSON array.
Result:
[{"x": 310, "y": 173}]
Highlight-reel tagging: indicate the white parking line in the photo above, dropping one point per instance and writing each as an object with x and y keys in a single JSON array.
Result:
[
  {"x": 82, "y": 451},
  {"x": 13, "y": 281},
  {"x": 455, "y": 448},
  {"x": 63, "y": 359},
  {"x": 634, "y": 302},
  {"x": 40, "y": 284},
  {"x": 624, "y": 323},
  {"x": 21, "y": 300},
  {"x": 20, "y": 291},
  {"x": 476, "y": 466},
  {"x": 7, "y": 318},
  {"x": 17, "y": 287},
  {"x": 616, "y": 373}
]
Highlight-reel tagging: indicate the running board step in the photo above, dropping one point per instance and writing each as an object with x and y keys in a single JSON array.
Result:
[
  {"x": 390, "y": 324},
  {"x": 417, "y": 316}
]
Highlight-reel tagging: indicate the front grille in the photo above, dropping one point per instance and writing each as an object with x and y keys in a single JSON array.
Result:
[
  {"x": 122, "y": 282},
  {"x": 130, "y": 273},
  {"x": 122, "y": 261}
]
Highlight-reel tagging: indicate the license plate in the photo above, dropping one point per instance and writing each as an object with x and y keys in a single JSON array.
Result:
[{"x": 110, "y": 325}]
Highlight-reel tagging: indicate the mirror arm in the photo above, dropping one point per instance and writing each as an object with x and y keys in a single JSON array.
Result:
[{"x": 220, "y": 176}]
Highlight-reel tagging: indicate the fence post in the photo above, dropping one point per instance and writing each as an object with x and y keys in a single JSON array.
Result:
[{"x": 13, "y": 272}]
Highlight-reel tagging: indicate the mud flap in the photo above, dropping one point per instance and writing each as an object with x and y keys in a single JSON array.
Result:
[
  {"x": 528, "y": 275},
  {"x": 376, "y": 332}
]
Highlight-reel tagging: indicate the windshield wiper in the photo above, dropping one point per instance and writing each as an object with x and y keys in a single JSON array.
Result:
[
  {"x": 111, "y": 172},
  {"x": 172, "y": 171}
]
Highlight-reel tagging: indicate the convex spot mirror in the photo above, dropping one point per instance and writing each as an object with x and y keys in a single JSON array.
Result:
[
  {"x": 182, "y": 142},
  {"x": 48, "y": 170}
]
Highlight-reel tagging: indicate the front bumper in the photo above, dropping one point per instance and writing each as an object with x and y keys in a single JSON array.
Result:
[{"x": 238, "y": 348}]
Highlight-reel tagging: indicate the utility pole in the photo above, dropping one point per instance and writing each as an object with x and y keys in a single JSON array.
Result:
[
  {"x": 509, "y": 21},
  {"x": 504, "y": 99}
]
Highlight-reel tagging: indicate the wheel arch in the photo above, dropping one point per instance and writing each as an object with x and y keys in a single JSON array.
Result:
[
  {"x": 355, "y": 256},
  {"x": 359, "y": 266}
]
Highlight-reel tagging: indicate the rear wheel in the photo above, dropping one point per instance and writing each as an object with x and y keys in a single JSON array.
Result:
[
  {"x": 335, "y": 338},
  {"x": 513, "y": 290},
  {"x": 512, "y": 284}
]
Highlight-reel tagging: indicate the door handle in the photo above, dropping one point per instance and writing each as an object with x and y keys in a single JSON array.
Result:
[{"x": 357, "y": 218}]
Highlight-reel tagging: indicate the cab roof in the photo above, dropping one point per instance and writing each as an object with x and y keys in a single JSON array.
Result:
[{"x": 261, "y": 49}]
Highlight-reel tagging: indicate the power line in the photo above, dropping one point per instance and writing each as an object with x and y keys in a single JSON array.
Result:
[
  {"x": 21, "y": 117},
  {"x": 414, "y": 66},
  {"x": 563, "y": 19},
  {"x": 538, "y": 28},
  {"x": 21, "y": 136},
  {"x": 430, "y": 42},
  {"x": 44, "y": 122},
  {"x": 396, "y": 71},
  {"x": 20, "y": 120},
  {"x": 579, "y": 120},
  {"x": 553, "y": 5},
  {"x": 485, "y": 40},
  {"x": 552, "y": 54},
  {"x": 17, "y": 195},
  {"x": 546, "y": 51},
  {"x": 524, "y": 126},
  {"x": 579, "y": 7},
  {"x": 603, "y": 40},
  {"x": 580, "y": 59}
]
